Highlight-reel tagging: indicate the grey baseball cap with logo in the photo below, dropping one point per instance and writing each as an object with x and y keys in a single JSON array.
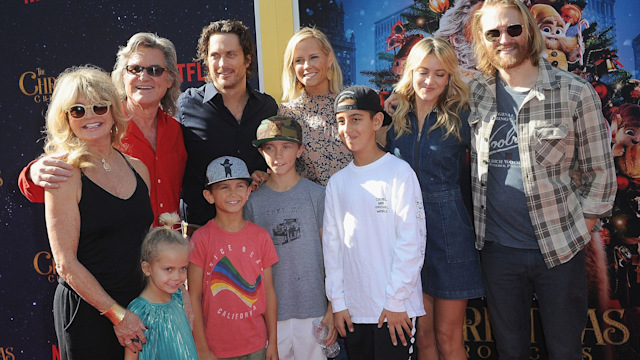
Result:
[
  {"x": 227, "y": 168},
  {"x": 278, "y": 128}
]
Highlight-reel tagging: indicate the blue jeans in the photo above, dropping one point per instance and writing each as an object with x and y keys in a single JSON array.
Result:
[{"x": 511, "y": 277}]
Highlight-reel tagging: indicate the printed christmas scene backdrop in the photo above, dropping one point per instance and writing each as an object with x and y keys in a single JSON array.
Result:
[{"x": 596, "y": 39}]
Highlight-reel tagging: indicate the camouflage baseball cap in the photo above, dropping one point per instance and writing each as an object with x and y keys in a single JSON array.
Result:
[{"x": 278, "y": 128}]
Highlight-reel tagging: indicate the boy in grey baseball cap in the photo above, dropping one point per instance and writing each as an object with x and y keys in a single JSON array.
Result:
[
  {"x": 227, "y": 168},
  {"x": 230, "y": 269}
]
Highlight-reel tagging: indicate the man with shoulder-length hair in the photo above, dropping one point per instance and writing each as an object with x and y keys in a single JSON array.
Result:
[
  {"x": 532, "y": 125},
  {"x": 221, "y": 117}
]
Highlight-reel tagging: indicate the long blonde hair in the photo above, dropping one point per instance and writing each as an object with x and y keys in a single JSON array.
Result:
[
  {"x": 291, "y": 87},
  {"x": 94, "y": 85},
  {"x": 451, "y": 101},
  {"x": 529, "y": 29}
]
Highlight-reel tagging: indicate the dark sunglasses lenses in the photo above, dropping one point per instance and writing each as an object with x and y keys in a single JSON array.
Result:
[
  {"x": 494, "y": 34},
  {"x": 153, "y": 70},
  {"x": 514, "y": 30},
  {"x": 79, "y": 111}
]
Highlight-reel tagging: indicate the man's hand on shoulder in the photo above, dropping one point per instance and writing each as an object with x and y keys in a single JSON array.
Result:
[{"x": 50, "y": 170}]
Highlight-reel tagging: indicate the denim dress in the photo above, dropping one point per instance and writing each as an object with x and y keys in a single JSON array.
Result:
[{"x": 452, "y": 264}]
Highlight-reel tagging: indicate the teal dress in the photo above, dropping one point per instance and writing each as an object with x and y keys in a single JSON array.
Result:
[{"x": 168, "y": 330}]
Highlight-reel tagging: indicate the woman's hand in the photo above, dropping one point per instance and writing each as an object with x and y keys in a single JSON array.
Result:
[
  {"x": 129, "y": 332},
  {"x": 50, "y": 170}
]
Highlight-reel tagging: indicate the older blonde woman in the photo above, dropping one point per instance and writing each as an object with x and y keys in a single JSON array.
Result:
[
  {"x": 146, "y": 76},
  {"x": 95, "y": 220},
  {"x": 311, "y": 79},
  {"x": 430, "y": 131}
]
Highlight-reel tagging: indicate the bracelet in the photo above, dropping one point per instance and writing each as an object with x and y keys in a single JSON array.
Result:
[{"x": 115, "y": 313}]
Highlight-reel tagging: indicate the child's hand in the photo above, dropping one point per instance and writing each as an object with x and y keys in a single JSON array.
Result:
[
  {"x": 340, "y": 318},
  {"x": 333, "y": 333},
  {"x": 206, "y": 355},
  {"x": 272, "y": 351},
  {"x": 259, "y": 177},
  {"x": 186, "y": 304},
  {"x": 396, "y": 321}
]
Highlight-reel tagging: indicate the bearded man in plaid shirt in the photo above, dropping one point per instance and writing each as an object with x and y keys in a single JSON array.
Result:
[{"x": 533, "y": 127}]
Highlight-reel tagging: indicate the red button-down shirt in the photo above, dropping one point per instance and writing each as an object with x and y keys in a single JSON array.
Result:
[{"x": 166, "y": 164}]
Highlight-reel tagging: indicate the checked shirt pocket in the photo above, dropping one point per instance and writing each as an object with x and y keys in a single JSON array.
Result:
[{"x": 550, "y": 144}]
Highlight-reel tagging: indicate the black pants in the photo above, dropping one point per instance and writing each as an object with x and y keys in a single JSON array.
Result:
[
  {"x": 367, "y": 342},
  {"x": 511, "y": 277},
  {"x": 81, "y": 331}
]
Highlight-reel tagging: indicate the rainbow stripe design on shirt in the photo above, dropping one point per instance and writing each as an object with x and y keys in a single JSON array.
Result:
[{"x": 226, "y": 277}]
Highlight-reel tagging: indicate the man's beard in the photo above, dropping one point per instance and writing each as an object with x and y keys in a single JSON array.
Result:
[{"x": 508, "y": 62}]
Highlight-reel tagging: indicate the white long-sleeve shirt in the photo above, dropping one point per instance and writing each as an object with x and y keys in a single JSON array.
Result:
[{"x": 374, "y": 236}]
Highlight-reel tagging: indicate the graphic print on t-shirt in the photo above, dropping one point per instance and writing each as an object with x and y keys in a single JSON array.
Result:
[
  {"x": 285, "y": 232},
  {"x": 504, "y": 140},
  {"x": 226, "y": 277},
  {"x": 508, "y": 220}
]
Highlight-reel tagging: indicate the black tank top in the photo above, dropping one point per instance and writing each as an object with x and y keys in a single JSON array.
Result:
[{"x": 111, "y": 232}]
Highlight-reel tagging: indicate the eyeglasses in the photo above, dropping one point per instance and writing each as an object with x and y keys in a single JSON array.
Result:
[
  {"x": 153, "y": 70},
  {"x": 494, "y": 34},
  {"x": 78, "y": 111}
]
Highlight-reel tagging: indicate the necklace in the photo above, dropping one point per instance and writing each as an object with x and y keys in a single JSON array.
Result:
[{"x": 105, "y": 163}]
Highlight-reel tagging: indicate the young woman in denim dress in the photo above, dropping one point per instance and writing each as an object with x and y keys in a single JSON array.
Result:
[{"x": 430, "y": 132}]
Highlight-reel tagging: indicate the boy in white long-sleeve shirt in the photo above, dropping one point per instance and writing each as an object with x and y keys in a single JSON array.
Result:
[{"x": 374, "y": 236}]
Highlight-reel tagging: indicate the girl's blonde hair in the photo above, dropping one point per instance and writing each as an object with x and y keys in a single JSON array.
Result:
[
  {"x": 93, "y": 85},
  {"x": 291, "y": 86},
  {"x": 449, "y": 104},
  {"x": 163, "y": 234}
]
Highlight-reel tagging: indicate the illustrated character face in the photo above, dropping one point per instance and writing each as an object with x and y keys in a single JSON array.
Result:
[
  {"x": 552, "y": 28},
  {"x": 398, "y": 65},
  {"x": 628, "y": 135}
]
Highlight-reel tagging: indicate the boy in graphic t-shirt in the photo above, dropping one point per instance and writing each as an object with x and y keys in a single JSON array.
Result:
[
  {"x": 291, "y": 207},
  {"x": 230, "y": 281}
]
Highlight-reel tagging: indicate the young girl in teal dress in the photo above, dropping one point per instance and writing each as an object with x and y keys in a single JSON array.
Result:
[{"x": 164, "y": 260}]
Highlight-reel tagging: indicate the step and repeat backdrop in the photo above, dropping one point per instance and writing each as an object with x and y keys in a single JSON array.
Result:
[
  {"x": 39, "y": 39},
  {"x": 596, "y": 39}
]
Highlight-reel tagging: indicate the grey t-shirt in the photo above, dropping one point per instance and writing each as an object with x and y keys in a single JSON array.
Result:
[
  {"x": 293, "y": 219},
  {"x": 508, "y": 220}
]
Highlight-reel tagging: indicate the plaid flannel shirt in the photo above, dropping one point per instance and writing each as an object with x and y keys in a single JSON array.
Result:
[{"x": 560, "y": 130}]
